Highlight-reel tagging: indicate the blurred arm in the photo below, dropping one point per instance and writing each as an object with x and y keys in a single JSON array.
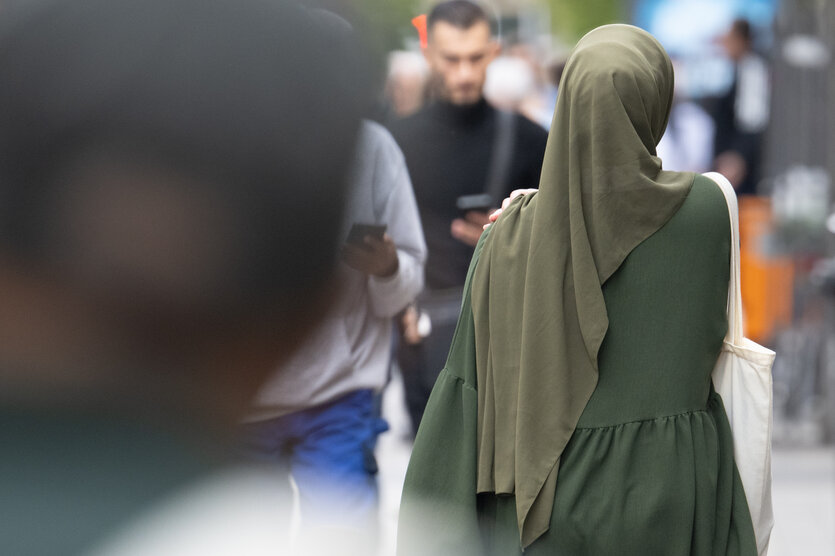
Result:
[{"x": 398, "y": 209}]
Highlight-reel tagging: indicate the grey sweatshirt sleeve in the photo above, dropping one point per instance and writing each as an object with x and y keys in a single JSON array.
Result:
[{"x": 394, "y": 204}]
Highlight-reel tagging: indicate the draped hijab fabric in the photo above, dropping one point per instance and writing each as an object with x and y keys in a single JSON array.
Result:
[{"x": 538, "y": 307}]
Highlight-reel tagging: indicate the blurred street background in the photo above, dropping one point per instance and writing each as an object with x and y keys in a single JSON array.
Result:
[{"x": 786, "y": 204}]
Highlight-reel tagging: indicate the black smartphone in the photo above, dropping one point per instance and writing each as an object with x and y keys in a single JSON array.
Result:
[
  {"x": 358, "y": 232},
  {"x": 481, "y": 202}
]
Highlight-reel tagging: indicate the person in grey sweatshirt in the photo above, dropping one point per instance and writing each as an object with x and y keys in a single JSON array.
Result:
[{"x": 317, "y": 415}]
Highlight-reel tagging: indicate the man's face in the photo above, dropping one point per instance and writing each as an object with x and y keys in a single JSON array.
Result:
[
  {"x": 458, "y": 59},
  {"x": 735, "y": 46}
]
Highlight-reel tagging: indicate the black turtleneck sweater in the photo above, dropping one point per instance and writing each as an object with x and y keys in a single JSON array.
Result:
[{"x": 448, "y": 150}]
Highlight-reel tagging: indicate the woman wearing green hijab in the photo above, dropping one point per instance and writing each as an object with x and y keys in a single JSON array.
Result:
[{"x": 575, "y": 415}]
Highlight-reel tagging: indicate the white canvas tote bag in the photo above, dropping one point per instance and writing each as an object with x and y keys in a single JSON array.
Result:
[{"x": 742, "y": 377}]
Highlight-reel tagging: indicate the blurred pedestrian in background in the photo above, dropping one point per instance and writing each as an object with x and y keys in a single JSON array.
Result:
[
  {"x": 510, "y": 82},
  {"x": 406, "y": 83},
  {"x": 517, "y": 81},
  {"x": 317, "y": 418},
  {"x": 687, "y": 145},
  {"x": 464, "y": 156},
  {"x": 172, "y": 179},
  {"x": 742, "y": 113}
]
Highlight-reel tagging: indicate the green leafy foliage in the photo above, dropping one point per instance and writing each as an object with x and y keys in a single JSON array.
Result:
[{"x": 571, "y": 19}]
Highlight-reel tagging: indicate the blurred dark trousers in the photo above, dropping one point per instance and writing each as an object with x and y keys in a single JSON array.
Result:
[
  {"x": 329, "y": 451},
  {"x": 420, "y": 364}
]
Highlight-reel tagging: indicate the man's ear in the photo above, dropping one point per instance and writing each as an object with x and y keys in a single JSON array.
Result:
[
  {"x": 427, "y": 54},
  {"x": 493, "y": 50}
]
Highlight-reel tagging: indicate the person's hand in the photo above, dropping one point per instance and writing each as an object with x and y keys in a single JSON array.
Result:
[
  {"x": 468, "y": 229},
  {"x": 731, "y": 165},
  {"x": 409, "y": 325},
  {"x": 513, "y": 194},
  {"x": 375, "y": 257}
]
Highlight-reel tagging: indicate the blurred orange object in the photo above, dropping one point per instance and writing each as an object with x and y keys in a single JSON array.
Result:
[
  {"x": 767, "y": 282},
  {"x": 420, "y": 24}
]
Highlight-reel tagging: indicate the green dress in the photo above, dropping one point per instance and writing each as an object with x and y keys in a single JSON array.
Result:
[{"x": 650, "y": 468}]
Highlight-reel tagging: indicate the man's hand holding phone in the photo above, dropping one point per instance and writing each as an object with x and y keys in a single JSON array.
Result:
[
  {"x": 370, "y": 251},
  {"x": 473, "y": 211},
  {"x": 468, "y": 229}
]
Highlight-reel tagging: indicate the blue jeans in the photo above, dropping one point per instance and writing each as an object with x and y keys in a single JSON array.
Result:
[{"x": 329, "y": 451}]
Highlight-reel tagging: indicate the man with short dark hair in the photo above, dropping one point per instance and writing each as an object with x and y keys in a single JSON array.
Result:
[
  {"x": 464, "y": 156},
  {"x": 172, "y": 179}
]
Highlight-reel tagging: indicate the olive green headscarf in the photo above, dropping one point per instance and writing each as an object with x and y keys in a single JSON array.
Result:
[{"x": 538, "y": 307}]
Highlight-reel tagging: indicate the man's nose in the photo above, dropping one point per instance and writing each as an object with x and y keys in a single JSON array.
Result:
[{"x": 466, "y": 71}]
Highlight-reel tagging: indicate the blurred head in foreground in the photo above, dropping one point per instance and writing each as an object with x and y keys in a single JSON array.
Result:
[{"x": 171, "y": 187}]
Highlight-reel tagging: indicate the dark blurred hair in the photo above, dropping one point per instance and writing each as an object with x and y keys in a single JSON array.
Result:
[
  {"x": 250, "y": 103},
  {"x": 458, "y": 13},
  {"x": 742, "y": 29}
]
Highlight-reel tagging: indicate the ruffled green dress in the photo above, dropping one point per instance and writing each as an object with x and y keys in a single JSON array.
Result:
[{"x": 649, "y": 469}]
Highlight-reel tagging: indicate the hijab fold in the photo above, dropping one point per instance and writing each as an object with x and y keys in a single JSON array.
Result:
[{"x": 538, "y": 306}]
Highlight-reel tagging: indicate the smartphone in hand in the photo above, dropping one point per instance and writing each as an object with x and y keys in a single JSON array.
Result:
[
  {"x": 480, "y": 203},
  {"x": 359, "y": 231}
]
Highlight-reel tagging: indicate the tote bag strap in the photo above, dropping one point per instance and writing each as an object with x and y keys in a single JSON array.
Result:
[{"x": 735, "y": 332}]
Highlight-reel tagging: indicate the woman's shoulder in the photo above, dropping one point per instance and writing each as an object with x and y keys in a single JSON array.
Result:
[
  {"x": 701, "y": 223},
  {"x": 706, "y": 207}
]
